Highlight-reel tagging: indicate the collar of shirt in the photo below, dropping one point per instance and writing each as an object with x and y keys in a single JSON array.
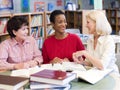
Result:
[
  {"x": 100, "y": 39},
  {"x": 14, "y": 42}
]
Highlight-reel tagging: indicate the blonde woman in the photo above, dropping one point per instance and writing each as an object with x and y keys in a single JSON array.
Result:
[{"x": 100, "y": 51}]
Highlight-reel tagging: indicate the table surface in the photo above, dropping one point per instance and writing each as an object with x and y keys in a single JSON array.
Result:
[{"x": 110, "y": 82}]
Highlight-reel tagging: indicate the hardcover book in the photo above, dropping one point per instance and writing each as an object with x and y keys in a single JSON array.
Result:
[
  {"x": 53, "y": 76},
  {"x": 39, "y": 85},
  {"x": 12, "y": 83}
]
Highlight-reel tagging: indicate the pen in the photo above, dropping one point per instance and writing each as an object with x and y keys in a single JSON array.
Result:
[{"x": 52, "y": 64}]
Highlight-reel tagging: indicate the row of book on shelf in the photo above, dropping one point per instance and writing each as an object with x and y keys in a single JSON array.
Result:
[
  {"x": 115, "y": 13},
  {"x": 48, "y": 19},
  {"x": 36, "y": 20},
  {"x": 3, "y": 22},
  {"x": 38, "y": 34},
  {"x": 52, "y": 77}
]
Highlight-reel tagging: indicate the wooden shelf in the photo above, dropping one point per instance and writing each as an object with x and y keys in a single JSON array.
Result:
[
  {"x": 3, "y": 34},
  {"x": 48, "y": 27},
  {"x": 3, "y": 21},
  {"x": 113, "y": 16}
]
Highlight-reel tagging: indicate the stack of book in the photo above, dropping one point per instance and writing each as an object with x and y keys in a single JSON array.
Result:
[{"x": 51, "y": 79}]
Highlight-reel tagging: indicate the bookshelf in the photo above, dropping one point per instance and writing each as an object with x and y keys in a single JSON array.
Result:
[
  {"x": 48, "y": 26},
  {"x": 3, "y": 20},
  {"x": 77, "y": 20},
  {"x": 74, "y": 20},
  {"x": 36, "y": 23},
  {"x": 113, "y": 16}
]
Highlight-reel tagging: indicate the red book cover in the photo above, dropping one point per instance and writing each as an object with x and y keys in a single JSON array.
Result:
[
  {"x": 12, "y": 83},
  {"x": 51, "y": 74},
  {"x": 53, "y": 77}
]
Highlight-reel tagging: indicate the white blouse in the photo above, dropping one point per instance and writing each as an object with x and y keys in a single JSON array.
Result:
[{"x": 105, "y": 51}]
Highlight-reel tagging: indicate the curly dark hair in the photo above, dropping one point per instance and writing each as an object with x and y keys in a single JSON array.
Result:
[
  {"x": 15, "y": 23},
  {"x": 54, "y": 14}
]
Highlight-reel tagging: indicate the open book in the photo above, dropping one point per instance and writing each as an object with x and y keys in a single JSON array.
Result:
[
  {"x": 93, "y": 75},
  {"x": 65, "y": 66}
]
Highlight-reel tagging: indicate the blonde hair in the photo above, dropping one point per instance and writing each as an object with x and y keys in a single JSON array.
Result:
[{"x": 102, "y": 25}]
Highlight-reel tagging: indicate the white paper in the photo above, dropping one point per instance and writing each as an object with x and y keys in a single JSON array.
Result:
[
  {"x": 93, "y": 75},
  {"x": 26, "y": 72}
]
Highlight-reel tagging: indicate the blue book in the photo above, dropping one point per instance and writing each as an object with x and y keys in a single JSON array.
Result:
[{"x": 51, "y": 6}]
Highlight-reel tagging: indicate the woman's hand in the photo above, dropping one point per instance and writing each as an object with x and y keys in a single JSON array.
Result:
[
  {"x": 59, "y": 60},
  {"x": 77, "y": 57},
  {"x": 19, "y": 66},
  {"x": 65, "y": 60},
  {"x": 56, "y": 60}
]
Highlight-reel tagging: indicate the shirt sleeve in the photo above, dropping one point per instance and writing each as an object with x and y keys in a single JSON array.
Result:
[
  {"x": 3, "y": 57},
  {"x": 108, "y": 55},
  {"x": 37, "y": 56}
]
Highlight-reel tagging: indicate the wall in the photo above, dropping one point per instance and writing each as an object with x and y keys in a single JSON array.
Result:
[
  {"x": 18, "y": 6},
  {"x": 85, "y": 4}
]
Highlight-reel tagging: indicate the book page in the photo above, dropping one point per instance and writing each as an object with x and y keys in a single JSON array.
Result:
[
  {"x": 73, "y": 66},
  {"x": 65, "y": 66},
  {"x": 93, "y": 75},
  {"x": 26, "y": 72}
]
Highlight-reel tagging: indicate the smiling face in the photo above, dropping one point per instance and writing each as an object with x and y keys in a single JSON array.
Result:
[
  {"x": 91, "y": 25},
  {"x": 21, "y": 34},
  {"x": 60, "y": 23}
]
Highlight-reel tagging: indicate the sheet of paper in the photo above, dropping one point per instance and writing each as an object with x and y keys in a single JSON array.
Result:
[
  {"x": 25, "y": 72},
  {"x": 93, "y": 75}
]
